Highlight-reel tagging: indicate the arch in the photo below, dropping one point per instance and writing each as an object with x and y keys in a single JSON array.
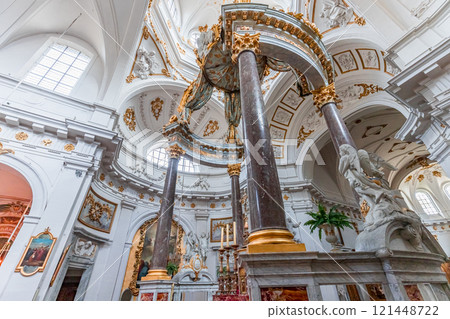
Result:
[{"x": 16, "y": 198}]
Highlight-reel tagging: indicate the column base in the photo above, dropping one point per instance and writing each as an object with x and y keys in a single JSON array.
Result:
[
  {"x": 273, "y": 241},
  {"x": 157, "y": 274}
]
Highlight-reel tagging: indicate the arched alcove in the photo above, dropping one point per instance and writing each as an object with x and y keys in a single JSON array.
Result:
[{"x": 15, "y": 202}]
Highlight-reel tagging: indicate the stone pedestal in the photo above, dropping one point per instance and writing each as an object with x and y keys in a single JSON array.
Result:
[
  {"x": 284, "y": 276},
  {"x": 156, "y": 290}
]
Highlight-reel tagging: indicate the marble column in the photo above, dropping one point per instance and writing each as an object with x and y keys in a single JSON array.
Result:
[
  {"x": 267, "y": 217},
  {"x": 234, "y": 170},
  {"x": 324, "y": 100},
  {"x": 158, "y": 264}
]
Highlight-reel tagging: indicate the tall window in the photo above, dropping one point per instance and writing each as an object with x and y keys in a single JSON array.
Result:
[
  {"x": 427, "y": 203},
  {"x": 172, "y": 8},
  {"x": 447, "y": 190},
  {"x": 59, "y": 69},
  {"x": 160, "y": 158}
]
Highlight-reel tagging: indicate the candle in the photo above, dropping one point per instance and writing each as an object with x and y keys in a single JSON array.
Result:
[
  {"x": 234, "y": 232},
  {"x": 221, "y": 237},
  {"x": 228, "y": 235}
]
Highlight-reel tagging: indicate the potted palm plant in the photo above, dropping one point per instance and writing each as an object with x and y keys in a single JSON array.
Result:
[
  {"x": 172, "y": 269},
  {"x": 328, "y": 221}
]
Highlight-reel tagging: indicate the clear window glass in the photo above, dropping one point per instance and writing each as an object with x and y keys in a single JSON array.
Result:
[
  {"x": 59, "y": 69},
  {"x": 160, "y": 158},
  {"x": 427, "y": 203}
]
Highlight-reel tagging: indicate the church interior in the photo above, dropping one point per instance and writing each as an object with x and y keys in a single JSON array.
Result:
[{"x": 220, "y": 150}]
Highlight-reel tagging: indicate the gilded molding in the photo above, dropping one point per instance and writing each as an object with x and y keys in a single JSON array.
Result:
[
  {"x": 47, "y": 142},
  {"x": 324, "y": 95},
  {"x": 129, "y": 118},
  {"x": 246, "y": 42},
  {"x": 175, "y": 151},
  {"x": 5, "y": 150},
  {"x": 234, "y": 169}
]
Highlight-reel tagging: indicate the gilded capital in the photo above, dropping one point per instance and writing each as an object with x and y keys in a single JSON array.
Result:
[
  {"x": 246, "y": 42},
  {"x": 234, "y": 169},
  {"x": 324, "y": 95},
  {"x": 175, "y": 151}
]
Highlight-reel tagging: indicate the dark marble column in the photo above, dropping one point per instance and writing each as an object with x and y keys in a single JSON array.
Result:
[
  {"x": 158, "y": 264},
  {"x": 267, "y": 217},
  {"x": 234, "y": 170},
  {"x": 338, "y": 130}
]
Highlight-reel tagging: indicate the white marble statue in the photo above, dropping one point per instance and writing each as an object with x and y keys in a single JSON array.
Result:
[
  {"x": 336, "y": 13},
  {"x": 203, "y": 245},
  {"x": 192, "y": 247},
  {"x": 205, "y": 38},
  {"x": 367, "y": 180},
  {"x": 293, "y": 227},
  {"x": 84, "y": 248},
  {"x": 146, "y": 63}
]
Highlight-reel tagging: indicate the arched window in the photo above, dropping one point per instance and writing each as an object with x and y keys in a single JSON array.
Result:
[
  {"x": 59, "y": 69},
  {"x": 160, "y": 158},
  {"x": 427, "y": 203},
  {"x": 171, "y": 5},
  {"x": 447, "y": 190}
]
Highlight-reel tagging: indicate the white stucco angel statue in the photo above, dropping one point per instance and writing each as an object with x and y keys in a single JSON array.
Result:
[{"x": 336, "y": 13}]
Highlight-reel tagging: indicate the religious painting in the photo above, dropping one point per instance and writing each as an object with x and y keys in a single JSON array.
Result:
[
  {"x": 216, "y": 225},
  {"x": 36, "y": 255},
  {"x": 292, "y": 99},
  {"x": 284, "y": 294},
  {"x": 376, "y": 292},
  {"x": 413, "y": 293},
  {"x": 277, "y": 133},
  {"x": 175, "y": 250},
  {"x": 345, "y": 61},
  {"x": 162, "y": 296},
  {"x": 282, "y": 116},
  {"x": 369, "y": 58},
  {"x": 97, "y": 213},
  {"x": 278, "y": 151},
  {"x": 147, "y": 296}
]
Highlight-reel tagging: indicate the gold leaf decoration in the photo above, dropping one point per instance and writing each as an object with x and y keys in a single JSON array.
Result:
[
  {"x": 303, "y": 135},
  {"x": 69, "y": 147},
  {"x": 21, "y": 136},
  {"x": 151, "y": 199},
  {"x": 368, "y": 89},
  {"x": 102, "y": 177},
  {"x": 121, "y": 189},
  {"x": 211, "y": 128},
  {"x": 47, "y": 142},
  {"x": 129, "y": 118},
  {"x": 141, "y": 196},
  {"x": 157, "y": 106}
]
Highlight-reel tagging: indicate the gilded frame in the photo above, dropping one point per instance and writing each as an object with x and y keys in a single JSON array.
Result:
[
  {"x": 339, "y": 65},
  {"x": 211, "y": 223},
  {"x": 284, "y": 109},
  {"x": 279, "y": 128},
  {"x": 362, "y": 61},
  {"x": 105, "y": 200},
  {"x": 40, "y": 267}
]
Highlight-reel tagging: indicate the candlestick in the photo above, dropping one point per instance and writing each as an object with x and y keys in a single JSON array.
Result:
[
  {"x": 221, "y": 237},
  {"x": 228, "y": 235},
  {"x": 234, "y": 232}
]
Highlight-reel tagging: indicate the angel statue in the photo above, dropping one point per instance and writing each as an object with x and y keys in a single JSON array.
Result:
[
  {"x": 336, "y": 13},
  {"x": 145, "y": 63},
  {"x": 363, "y": 172},
  {"x": 191, "y": 247}
]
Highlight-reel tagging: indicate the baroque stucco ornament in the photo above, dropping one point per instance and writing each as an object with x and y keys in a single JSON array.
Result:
[
  {"x": 324, "y": 95},
  {"x": 234, "y": 169},
  {"x": 175, "y": 151}
]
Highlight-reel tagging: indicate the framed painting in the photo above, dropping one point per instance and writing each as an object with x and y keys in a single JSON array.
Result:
[
  {"x": 97, "y": 212},
  {"x": 217, "y": 224},
  {"x": 36, "y": 255}
]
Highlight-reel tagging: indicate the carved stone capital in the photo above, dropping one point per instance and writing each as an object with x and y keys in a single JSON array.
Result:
[
  {"x": 324, "y": 95},
  {"x": 175, "y": 151},
  {"x": 234, "y": 169},
  {"x": 246, "y": 42}
]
